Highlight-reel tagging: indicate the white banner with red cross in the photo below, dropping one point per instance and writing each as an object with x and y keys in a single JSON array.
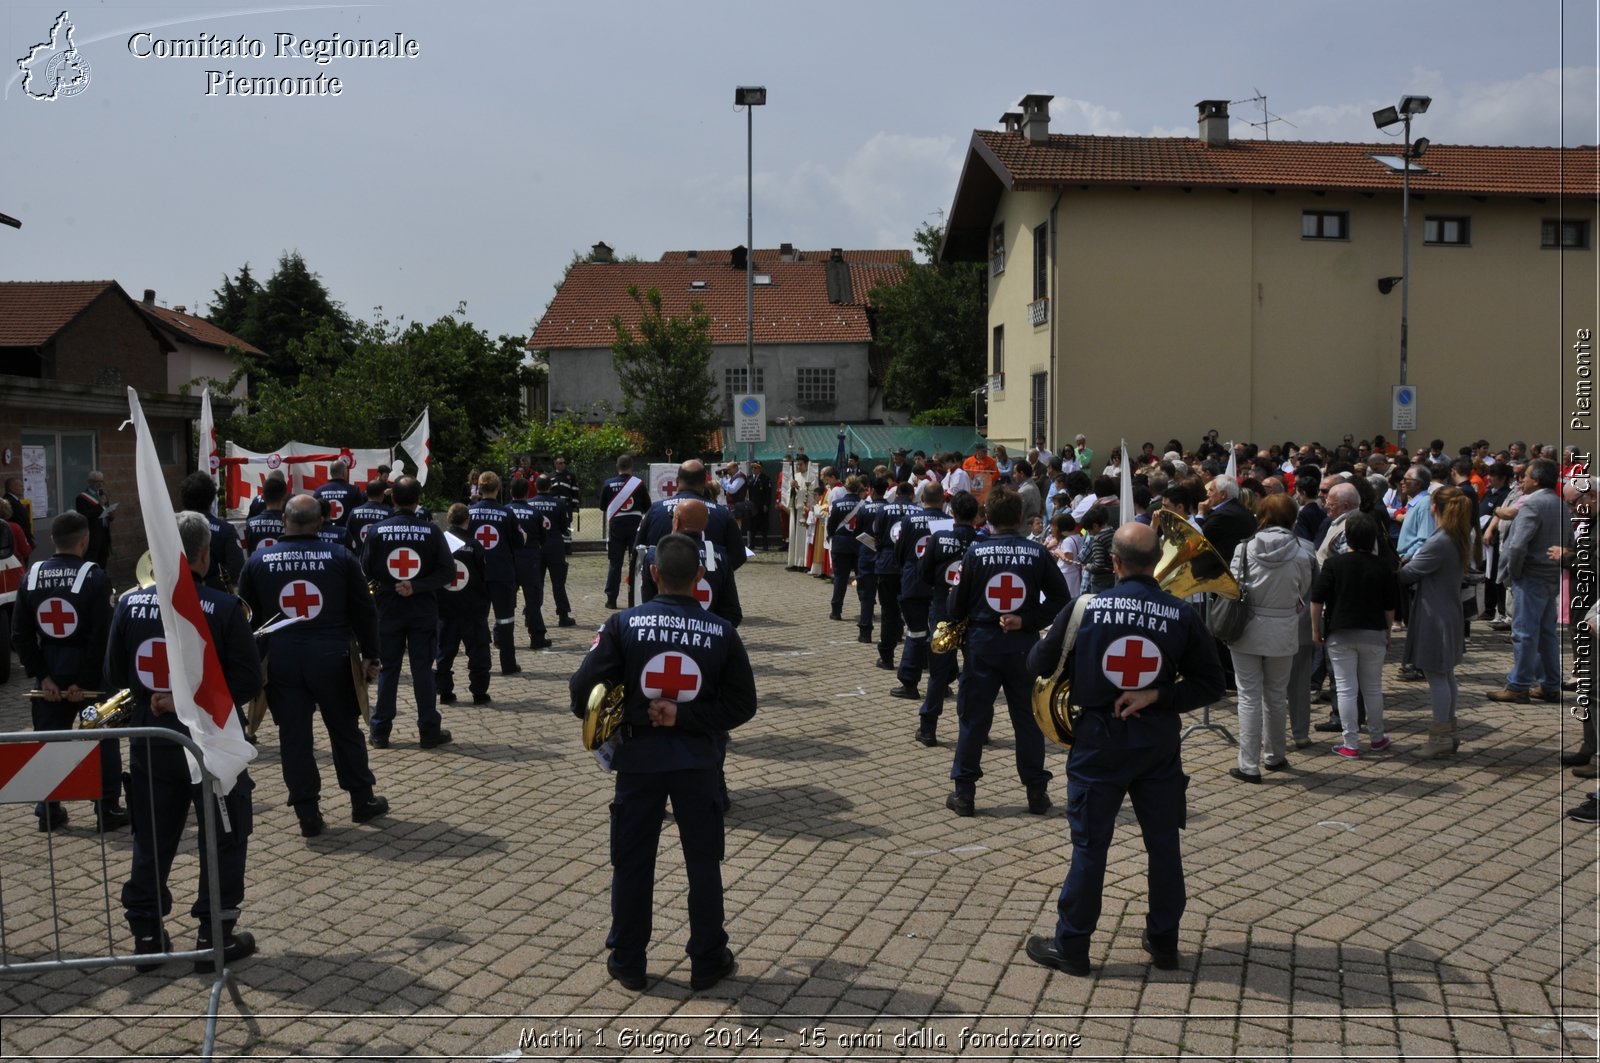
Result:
[
  {"x": 304, "y": 465},
  {"x": 49, "y": 771}
]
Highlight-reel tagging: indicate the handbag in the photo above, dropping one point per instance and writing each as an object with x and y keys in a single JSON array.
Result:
[{"x": 1227, "y": 618}]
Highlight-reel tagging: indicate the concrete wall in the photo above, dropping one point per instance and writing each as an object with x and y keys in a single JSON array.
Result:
[
  {"x": 192, "y": 361},
  {"x": 1177, "y": 312}
]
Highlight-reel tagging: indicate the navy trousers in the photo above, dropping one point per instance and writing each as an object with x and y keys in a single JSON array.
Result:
[
  {"x": 158, "y": 802},
  {"x": 473, "y": 633},
  {"x": 306, "y": 678},
  {"x": 413, "y": 634},
  {"x": 530, "y": 579},
  {"x": 503, "y": 598},
  {"x": 914, "y": 657},
  {"x": 986, "y": 676}
]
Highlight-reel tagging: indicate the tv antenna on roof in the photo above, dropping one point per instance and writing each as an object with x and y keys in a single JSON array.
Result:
[{"x": 1267, "y": 117}]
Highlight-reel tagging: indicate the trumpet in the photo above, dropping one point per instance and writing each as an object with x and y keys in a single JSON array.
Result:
[
  {"x": 604, "y": 714},
  {"x": 86, "y": 693},
  {"x": 112, "y": 712},
  {"x": 949, "y": 637}
]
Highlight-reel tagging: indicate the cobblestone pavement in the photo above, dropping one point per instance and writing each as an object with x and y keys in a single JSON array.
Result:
[{"x": 1372, "y": 909}]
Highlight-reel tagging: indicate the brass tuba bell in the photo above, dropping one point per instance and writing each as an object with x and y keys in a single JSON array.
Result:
[
  {"x": 1053, "y": 710},
  {"x": 948, "y": 636},
  {"x": 112, "y": 712},
  {"x": 604, "y": 714}
]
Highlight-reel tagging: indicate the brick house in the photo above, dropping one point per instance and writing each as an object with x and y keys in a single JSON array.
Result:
[{"x": 200, "y": 349}]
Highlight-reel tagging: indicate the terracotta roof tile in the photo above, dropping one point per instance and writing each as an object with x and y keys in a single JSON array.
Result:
[
  {"x": 192, "y": 329},
  {"x": 771, "y": 254},
  {"x": 1183, "y": 161},
  {"x": 793, "y": 309},
  {"x": 33, "y": 311}
]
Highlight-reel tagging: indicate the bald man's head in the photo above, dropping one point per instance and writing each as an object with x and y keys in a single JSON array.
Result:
[
  {"x": 690, "y": 516},
  {"x": 1137, "y": 548},
  {"x": 1342, "y": 498}
]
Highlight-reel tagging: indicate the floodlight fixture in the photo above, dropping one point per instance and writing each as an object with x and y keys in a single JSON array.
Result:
[
  {"x": 750, "y": 96},
  {"x": 1419, "y": 146},
  {"x": 1385, "y": 118},
  {"x": 1415, "y": 104}
]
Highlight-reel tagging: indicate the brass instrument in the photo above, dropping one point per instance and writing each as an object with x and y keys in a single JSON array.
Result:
[
  {"x": 144, "y": 573},
  {"x": 604, "y": 714},
  {"x": 363, "y": 689},
  {"x": 112, "y": 712},
  {"x": 1189, "y": 565},
  {"x": 949, "y": 637},
  {"x": 85, "y": 693}
]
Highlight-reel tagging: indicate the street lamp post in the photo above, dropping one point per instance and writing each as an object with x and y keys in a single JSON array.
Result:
[
  {"x": 750, "y": 97},
  {"x": 1388, "y": 116}
]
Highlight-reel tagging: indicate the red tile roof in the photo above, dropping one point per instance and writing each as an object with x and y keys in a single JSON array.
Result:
[
  {"x": 1187, "y": 161},
  {"x": 793, "y": 309},
  {"x": 33, "y": 311},
  {"x": 772, "y": 255},
  {"x": 191, "y": 329}
]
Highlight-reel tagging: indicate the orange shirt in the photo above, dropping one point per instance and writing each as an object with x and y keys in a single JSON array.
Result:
[{"x": 984, "y": 472}]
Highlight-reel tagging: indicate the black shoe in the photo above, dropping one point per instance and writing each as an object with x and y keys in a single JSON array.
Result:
[
  {"x": 1329, "y": 727},
  {"x": 1588, "y": 812},
  {"x": 1573, "y": 760},
  {"x": 865, "y": 637},
  {"x": 835, "y": 616},
  {"x": 235, "y": 947},
  {"x": 371, "y": 808},
  {"x": 1038, "y": 800},
  {"x": 538, "y": 642},
  {"x": 1046, "y": 952},
  {"x": 146, "y": 941},
  {"x": 379, "y": 740},
  {"x": 566, "y": 621},
  {"x": 1243, "y": 776},
  {"x": 481, "y": 699},
  {"x": 53, "y": 817},
  {"x": 927, "y": 738},
  {"x": 611, "y": 603},
  {"x": 1411, "y": 675},
  {"x": 447, "y": 699},
  {"x": 633, "y": 981},
  {"x": 961, "y": 806},
  {"x": 887, "y": 666},
  {"x": 720, "y": 968},
  {"x": 1162, "y": 957},
  {"x": 312, "y": 824},
  {"x": 1282, "y": 765},
  {"x": 515, "y": 669},
  {"x": 433, "y": 740},
  {"x": 903, "y": 691},
  {"x": 108, "y": 817}
]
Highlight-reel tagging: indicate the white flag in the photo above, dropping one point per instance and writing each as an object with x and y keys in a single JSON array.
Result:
[
  {"x": 1233, "y": 462},
  {"x": 418, "y": 444},
  {"x": 200, "y": 693},
  {"x": 1125, "y": 498},
  {"x": 209, "y": 461}
]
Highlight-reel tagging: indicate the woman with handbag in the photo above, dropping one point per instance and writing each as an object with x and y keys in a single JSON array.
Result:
[
  {"x": 1274, "y": 568},
  {"x": 1437, "y": 569},
  {"x": 1353, "y": 603}
]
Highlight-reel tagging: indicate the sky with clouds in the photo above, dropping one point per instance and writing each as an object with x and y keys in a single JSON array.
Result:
[{"x": 521, "y": 132}]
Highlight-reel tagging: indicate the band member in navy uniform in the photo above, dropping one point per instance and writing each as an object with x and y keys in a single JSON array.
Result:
[
  {"x": 497, "y": 531},
  {"x": 720, "y": 527},
  {"x": 940, "y": 568},
  {"x": 408, "y": 558},
  {"x": 867, "y": 557},
  {"x": 717, "y": 590},
  {"x": 1141, "y": 658},
  {"x": 321, "y": 587},
  {"x": 842, "y": 543},
  {"x": 910, "y": 538},
  {"x": 198, "y": 493},
  {"x": 341, "y": 495},
  {"x": 1010, "y": 588},
  {"x": 59, "y": 629},
  {"x": 266, "y": 528},
  {"x": 136, "y": 659},
  {"x": 622, "y": 500},
  {"x": 259, "y": 502},
  {"x": 374, "y": 509},
  {"x": 557, "y": 516},
  {"x": 685, "y": 677},
  {"x": 463, "y": 613},
  {"x": 528, "y": 558},
  {"x": 337, "y": 534},
  {"x": 891, "y": 626}
]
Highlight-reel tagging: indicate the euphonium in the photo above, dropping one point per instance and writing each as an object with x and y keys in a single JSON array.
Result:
[
  {"x": 948, "y": 636},
  {"x": 1053, "y": 710},
  {"x": 604, "y": 714},
  {"x": 112, "y": 712}
]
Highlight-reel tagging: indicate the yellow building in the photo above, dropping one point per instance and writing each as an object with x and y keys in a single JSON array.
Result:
[{"x": 1150, "y": 288}]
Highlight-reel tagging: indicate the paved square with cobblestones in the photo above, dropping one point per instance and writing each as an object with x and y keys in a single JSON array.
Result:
[{"x": 1382, "y": 908}]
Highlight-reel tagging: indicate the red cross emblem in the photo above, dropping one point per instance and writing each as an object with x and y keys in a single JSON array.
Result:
[
  {"x": 462, "y": 576},
  {"x": 627, "y": 503},
  {"x": 487, "y": 537},
  {"x": 150, "y": 662},
  {"x": 403, "y": 563},
  {"x": 1004, "y": 592},
  {"x": 363, "y": 535},
  {"x": 57, "y": 617},
  {"x": 1131, "y": 662},
  {"x": 264, "y": 543},
  {"x": 546, "y": 523},
  {"x": 922, "y": 546},
  {"x": 669, "y": 487},
  {"x": 300, "y": 599},
  {"x": 894, "y": 534},
  {"x": 215, "y": 461},
  {"x": 335, "y": 509},
  {"x": 702, "y": 593},
  {"x": 952, "y": 573},
  {"x": 274, "y": 460},
  {"x": 672, "y": 676}
]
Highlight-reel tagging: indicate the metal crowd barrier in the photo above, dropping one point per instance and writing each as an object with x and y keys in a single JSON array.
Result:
[{"x": 34, "y": 769}]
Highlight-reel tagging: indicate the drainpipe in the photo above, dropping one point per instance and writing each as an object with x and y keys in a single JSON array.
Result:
[{"x": 1055, "y": 308}]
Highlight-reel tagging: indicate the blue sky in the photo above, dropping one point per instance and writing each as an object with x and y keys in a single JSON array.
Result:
[{"x": 522, "y": 132}]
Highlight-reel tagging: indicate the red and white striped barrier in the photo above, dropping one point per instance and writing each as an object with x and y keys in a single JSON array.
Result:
[{"x": 49, "y": 771}]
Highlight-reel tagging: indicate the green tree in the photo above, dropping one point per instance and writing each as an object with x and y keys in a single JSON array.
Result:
[
  {"x": 280, "y": 315},
  {"x": 664, "y": 366},
  {"x": 233, "y": 305},
  {"x": 932, "y": 323}
]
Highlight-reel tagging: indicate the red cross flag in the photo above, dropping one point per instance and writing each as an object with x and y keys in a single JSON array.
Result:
[
  {"x": 199, "y": 690},
  {"x": 404, "y": 563},
  {"x": 1005, "y": 592},
  {"x": 419, "y": 444},
  {"x": 150, "y": 663},
  {"x": 1132, "y": 662},
  {"x": 57, "y": 618},
  {"x": 673, "y": 676}
]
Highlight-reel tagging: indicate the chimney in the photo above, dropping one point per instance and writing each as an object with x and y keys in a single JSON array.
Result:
[
  {"x": 1036, "y": 118},
  {"x": 738, "y": 257},
  {"x": 1213, "y": 123},
  {"x": 181, "y": 309},
  {"x": 692, "y": 256},
  {"x": 600, "y": 252},
  {"x": 785, "y": 252},
  {"x": 149, "y": 297},
  {"x": 1011, "y": 122}
]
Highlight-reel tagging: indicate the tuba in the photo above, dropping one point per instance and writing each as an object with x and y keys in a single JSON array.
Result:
[
  {"x": 948, "y": 637},
  {"x": 112, "y": 712},
  {"x": 604, "y": 714},
  {"x": 1189, "y": 565}
]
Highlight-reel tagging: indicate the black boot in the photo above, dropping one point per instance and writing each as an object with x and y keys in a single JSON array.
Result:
[
  {"x": 148, "y": 938},
  {"x": 108, "y": 816},
  {"x": 235, "y": 946}
]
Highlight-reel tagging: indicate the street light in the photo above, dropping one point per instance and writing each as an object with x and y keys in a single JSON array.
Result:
[
  {"x": 1383, "y": 119},
  {"x": 750, "y": 97}
]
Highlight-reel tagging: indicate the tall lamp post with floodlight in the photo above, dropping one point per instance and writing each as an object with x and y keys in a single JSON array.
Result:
[
  {"x": 750, "y": 97},
  {"x": 1388, "y": 116}
]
